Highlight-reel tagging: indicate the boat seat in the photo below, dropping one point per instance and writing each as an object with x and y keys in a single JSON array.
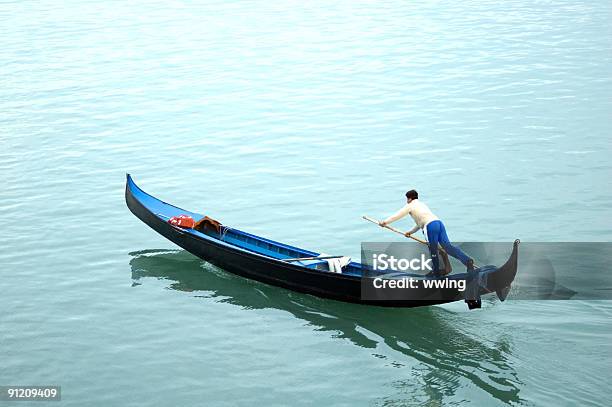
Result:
[
  {"x": 316, "y": 264},
  {"x": 332, "y": 265},
  {"x": 337, "y": 264}
]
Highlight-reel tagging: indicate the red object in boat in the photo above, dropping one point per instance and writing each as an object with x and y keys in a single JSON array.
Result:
[{"x": 182, "y": 221}]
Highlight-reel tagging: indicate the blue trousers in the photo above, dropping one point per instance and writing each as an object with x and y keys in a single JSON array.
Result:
[{"x": 436, "y": 233}]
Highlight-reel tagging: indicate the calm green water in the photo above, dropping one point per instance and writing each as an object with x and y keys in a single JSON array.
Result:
[{"x": 292, "y": 120}]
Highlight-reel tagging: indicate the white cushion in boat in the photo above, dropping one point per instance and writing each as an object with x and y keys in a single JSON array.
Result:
[{"x": 336, "y": 264}]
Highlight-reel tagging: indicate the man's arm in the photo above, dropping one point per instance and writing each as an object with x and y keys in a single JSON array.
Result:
[
  {"x": 413, "y": 230},
  {"x": 396, "y": 216}
]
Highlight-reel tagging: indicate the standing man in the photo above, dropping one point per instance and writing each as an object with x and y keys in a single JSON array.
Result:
[{"x": 435, "y": 231}]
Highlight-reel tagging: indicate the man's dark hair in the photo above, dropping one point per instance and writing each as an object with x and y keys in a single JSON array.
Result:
[{"x": 412, "y": 194}]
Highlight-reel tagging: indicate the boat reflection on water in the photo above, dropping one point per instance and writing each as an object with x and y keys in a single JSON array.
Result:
[{"x": 431, "y": 336}]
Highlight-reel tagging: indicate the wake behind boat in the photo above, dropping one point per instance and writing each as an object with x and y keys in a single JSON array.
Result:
[{"x": 278, "y": 264}]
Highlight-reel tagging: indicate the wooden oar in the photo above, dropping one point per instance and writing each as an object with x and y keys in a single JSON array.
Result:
[{"x": 447, "y": 265}]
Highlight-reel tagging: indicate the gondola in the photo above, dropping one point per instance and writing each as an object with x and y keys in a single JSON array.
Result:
[{"x": 275, "y": 263}]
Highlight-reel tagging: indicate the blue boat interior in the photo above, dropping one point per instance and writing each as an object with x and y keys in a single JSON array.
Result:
[{"x": 239, "y": 239}]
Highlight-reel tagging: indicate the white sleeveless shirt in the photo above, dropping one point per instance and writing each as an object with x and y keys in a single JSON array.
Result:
[{"x": 420, "y": 212}]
